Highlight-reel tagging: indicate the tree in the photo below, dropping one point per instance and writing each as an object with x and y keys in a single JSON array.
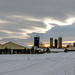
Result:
[
  {"x": 24, "y": 51},
  {"x": 28, "y": 51},
  {"x": 65, "y": 50},
  {"x": 32, "y": 50},
  {"x": 5, "y": 50},
  {"x": 9, "y": 51},
  {"x": 47, "y": 50}
]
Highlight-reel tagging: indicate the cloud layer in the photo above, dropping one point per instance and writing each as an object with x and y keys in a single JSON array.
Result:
[{"x": 20, "y": 18}]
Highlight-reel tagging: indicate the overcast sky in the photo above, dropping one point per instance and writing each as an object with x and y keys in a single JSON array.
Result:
[{"x": 22, "y": 20}]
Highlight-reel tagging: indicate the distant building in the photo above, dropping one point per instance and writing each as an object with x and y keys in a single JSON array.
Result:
[
  {"x": 51, "y": 42},
  {"x": 67, "y": 46},
  {"x": 60, "y": 42},
  {"x": 41, "y": 45},
  {"x": 56, "y": 43},
  {"x": 73, "y": 44},
  {"x": 70, "y": 45},
  {"x": 36, "y": 41}
]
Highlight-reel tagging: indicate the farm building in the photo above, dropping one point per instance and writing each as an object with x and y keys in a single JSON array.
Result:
[
  {"x": 70, "y": 49},
  {"x": 12, "y": 48}
]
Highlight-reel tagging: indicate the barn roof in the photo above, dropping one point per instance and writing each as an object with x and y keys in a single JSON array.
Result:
[
  {"x": 71, "y": 48},
  {"x": 11, "y": 45}
]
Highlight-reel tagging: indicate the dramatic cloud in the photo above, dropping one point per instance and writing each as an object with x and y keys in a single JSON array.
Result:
[{"x": 20, "y": 18}]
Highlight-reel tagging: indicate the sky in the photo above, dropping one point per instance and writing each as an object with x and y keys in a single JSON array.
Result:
[{"x": 22, "y": 20}]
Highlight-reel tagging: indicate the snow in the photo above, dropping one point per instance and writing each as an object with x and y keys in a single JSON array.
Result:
[
  {"x": 23, "y": 45},
  {"x": 38, "y": 64},
  {"x": 57, "y": 49},
  {"x": 41, "y": 49}
]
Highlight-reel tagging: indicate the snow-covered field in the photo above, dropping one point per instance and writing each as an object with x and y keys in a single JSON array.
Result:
[{"x": 38, "y": 64}]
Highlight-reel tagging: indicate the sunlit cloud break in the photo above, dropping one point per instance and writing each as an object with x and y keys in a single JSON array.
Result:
[
  {"x": 65, "y": 42},
  {"x": 50, "y": 21}
]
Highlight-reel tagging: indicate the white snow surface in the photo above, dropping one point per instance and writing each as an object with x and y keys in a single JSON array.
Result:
[
  {"x": 22, "y": 45},
  {"x": 38, "y": 64},
  {"x": 57, "y": 50}
]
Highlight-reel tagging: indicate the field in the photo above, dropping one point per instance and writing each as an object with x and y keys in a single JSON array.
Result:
[{"x": 38, "y": 64}]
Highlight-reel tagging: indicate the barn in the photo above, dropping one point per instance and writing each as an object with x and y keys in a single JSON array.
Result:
[
  {"x": 13, "y": 48},
  {"x": 71, "y": 49}
]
